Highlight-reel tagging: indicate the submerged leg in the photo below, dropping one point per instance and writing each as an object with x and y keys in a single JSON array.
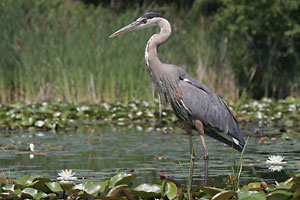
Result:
[
  {"x": 200, "y": 129},
  {"x": 192, "y": 158}
]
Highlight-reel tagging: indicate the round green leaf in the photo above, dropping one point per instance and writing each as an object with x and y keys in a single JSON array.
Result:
[
  {"x": 29, "y": 192},
  {"x": 225, "y": 195},
  {"x": 121, "y": 179},
  {"x": 9, "y": 187},
  {"x": 27, "y": 181},
  {"x": 283, "y": 186},
  {"x": 51, "y": 196},
  {"x": 54, "y": 187},
  {"x": 24, "y": 180},
  {"x": 147, "y": 190},
  {"x": 66, "y": 185},
  {"x": 40, "y": 185},
  {"x": 245, "y": 194},
  {"x": 8, "y": 195},
  {"x": 171, "y": 190},
  {"x": 103, "y": 185},
  {"x": 279, "y": 195},
  {"x": 40, "y": 195},
  {"x": 117, "y": 191},
  {"x": 88, "y": 187},
  {"x": 254, "y": 186},
  {"x": 17, "y": 192},
  {"x": 211, "y": 190}
]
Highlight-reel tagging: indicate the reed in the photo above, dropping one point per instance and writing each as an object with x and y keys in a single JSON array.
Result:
[{"x": 60, "y": 50}]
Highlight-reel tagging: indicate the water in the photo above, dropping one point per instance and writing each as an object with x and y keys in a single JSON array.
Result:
[{"x": 97, "y": 154}]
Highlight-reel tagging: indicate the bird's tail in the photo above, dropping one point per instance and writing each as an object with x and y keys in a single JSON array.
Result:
[{"x": 237, "y": 145}]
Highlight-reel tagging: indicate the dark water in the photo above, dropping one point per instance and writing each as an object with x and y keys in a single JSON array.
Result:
[{"x": 97, "y": 155}]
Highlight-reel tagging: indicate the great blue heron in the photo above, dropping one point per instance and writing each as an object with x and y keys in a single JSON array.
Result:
[{"x": 193, "y": 103}]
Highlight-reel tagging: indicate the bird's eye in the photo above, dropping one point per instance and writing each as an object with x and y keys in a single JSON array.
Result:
[{"x": 144, "y": 20}]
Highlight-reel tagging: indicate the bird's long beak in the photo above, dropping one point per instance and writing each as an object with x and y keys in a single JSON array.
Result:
[{"x": 133, "y": 26}]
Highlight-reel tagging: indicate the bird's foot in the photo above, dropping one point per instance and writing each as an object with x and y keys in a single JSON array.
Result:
[
  {"x": 206, "y": 157},
  {"x": 192, "y": 157}
]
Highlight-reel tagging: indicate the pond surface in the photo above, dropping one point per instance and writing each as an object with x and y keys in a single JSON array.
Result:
[{"x": 98, "y": 153}]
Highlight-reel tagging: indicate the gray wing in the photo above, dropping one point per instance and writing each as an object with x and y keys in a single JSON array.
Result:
[{"x": 211, "y": 110}]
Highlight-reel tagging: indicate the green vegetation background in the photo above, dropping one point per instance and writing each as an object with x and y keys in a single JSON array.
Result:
[{"x": 60, "y": 50}]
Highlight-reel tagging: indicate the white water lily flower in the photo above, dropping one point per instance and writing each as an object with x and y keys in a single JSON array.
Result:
[
  {"x": 275, "y": 160},
  {"x": 139, "y": 113},
  {"x": 82, "y": 108},
  {"x": 31, "y": 147},
  {"x": 67, "y": 175}
]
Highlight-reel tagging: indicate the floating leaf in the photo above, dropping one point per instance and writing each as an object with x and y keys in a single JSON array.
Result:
[
  {"x": 171, "y": 190},
  {"x": 27, "y": 121},
  {"x": 9, "y": 187},
  {"x": 279, "y": 195},
  {"x": 40, "y": 185},
  {"x": 111, "y": 198},
  {"x": 121, "y": 179},
  {"x": 254, "y": 186},
  {"x": 17, "y": 192},
  {"x": 27, "y": 181},
  {"x": 147, "y": 190},
  {"x": 117, "y": 191},
  {"x": 289, "y": 123},
  {"x": 245, "y": 194},
  {"x": 103, "y": 185},
  {"x": 51, "y": 196},
  {"x": 88, "y": 187},
  {"x": 8, "y": 195},
  {"x": 40, "y": 195},
  {"x": 211, "y": 190},
  {"x": 66, "y": 185},
  {"x": 54, "y": 187},
  {"x": 24, "y": 180},
  {"x": 283, "y": 186},
  {"x": 29, "y": 193},
  {"x": 225, "y": 195}
]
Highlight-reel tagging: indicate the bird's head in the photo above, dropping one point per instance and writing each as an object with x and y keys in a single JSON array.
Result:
[{"x": 147, "y": 20}]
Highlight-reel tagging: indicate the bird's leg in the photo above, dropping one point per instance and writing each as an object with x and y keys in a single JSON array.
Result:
[
  {"x": 200, "y": 129},
  {"x": 192, "y": 158}
]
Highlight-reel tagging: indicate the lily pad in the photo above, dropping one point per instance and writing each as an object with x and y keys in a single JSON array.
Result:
[
  {"x": 117, "y": 191},
  {"x": 121, "y": 179},
  {"x": 54, "y": 187},
  {"x": 66, "y": 185},
  {"x": 279, "y": 195},
  {"x": 88, "y": 187},
  {"x": 27, "y": 181},
  {"x": 245, "y": 194},
  {"x": 147, "y": 190},
  {"x": 40, "y": 195},
  {"x": 104, "y": 185},
  {"x": 40, "y": 184},
  {"x": 8, "y": 195},
  {"x": 9, "y": 187},
  {"x": 254, "y": 186},
  {"x": 225, "y": 195},
  {"x": 211, "y": 190},
  {"x": 29, "y": 193},
  {"x": 171, "y": 190}
]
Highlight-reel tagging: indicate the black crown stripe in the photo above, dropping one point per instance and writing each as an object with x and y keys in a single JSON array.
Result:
[{"x": 151, "y": 15}]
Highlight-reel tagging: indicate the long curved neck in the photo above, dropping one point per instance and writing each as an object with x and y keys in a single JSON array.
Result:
[{"x": 151, "y": 57}]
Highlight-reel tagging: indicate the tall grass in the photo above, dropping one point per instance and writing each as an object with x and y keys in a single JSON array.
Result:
[
  {"x": 60, "y": 50},
  {"x": 238, "y": 166}
]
